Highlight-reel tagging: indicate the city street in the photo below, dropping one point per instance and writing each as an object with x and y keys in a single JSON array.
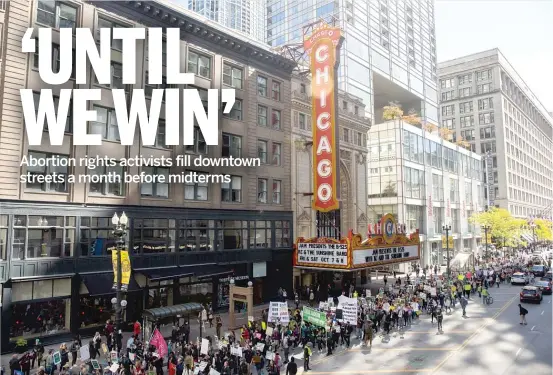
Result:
[{"x": 489, "y": 340}]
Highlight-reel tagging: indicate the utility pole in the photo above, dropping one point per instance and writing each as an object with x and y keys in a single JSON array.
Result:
[
  {"x": 486, "y": 229},
  {"x": 119, "y": 231},
  {"x": 447, "y": 228}
]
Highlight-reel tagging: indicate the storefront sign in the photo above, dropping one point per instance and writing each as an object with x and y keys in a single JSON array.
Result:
[
  {"x": 323, "y": 253},
  {"x": 236, "y": 278},
  {"x": 317, "y": 318},
  {"x": 323, "y": 47},
  {"x": 368, "y": 256}
]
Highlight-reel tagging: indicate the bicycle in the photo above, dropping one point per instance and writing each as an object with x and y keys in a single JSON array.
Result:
[{"x": 488, "y": 300}]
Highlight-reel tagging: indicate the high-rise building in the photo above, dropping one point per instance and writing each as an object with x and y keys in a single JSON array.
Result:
[
  {"x": 389, "y": 53},
  {"x": 486, "y": 102},
  {"x": 245, "y": 16}
]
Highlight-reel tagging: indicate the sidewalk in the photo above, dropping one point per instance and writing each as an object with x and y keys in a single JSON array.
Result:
[{"x": 241, "y": 318}]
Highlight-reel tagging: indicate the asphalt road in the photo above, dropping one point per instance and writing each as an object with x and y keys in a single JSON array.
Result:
[{"x": 489, "y": 341}]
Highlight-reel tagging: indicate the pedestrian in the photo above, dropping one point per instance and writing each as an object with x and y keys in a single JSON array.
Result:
[
  {"x": 218, "y": 325},
  {"x": 74, "y": 350},
  {"x": 523, "y": 313},
  {"x": 292, "y": 367},
  {"x": 464, "y": 303}
]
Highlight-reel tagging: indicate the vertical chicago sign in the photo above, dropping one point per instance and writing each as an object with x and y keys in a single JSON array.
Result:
[{"x": 322, "y": 48}]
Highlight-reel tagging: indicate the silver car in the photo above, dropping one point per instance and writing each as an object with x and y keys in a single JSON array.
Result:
[{"x": 519, "y": 278}]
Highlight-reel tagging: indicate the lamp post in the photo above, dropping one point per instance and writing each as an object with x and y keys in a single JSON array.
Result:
[
  {"x": 486, "y": 229},
  {"x": 533, "y": 226},
  {"x": 119, "y": 231},
  {"x": 446, "y": 229}
]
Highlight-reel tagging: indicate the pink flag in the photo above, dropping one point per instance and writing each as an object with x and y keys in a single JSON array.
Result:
[{"x": 159, "y": 342}]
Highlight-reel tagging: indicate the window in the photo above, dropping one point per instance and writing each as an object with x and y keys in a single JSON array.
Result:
[
  {"x": 261, "y": 86},
  {"x": 282, "y": 233},
  {"x": 199, "y": 146},
  {"x": 301, "y": 121},
  {"x": 114, "y": 186},
  {"x": 487, "y": 147},
  {"x": 448, "y": 110},
  {"x": 437, "y": 187},
  {"x": 56, "y": 14},
  {"x": 196, "y": 235},
  {"x": 275, "y": 123},
  {"x": 276, "y": 154},
  {"x": 197, "y": 191},
  {"x": 464, "y": 79},
  {"x": 449, "y": 123},
  {"x": 199, "y": 64},
  {"x": 96, "y": 236},
  {"x": 149, "y": 87},
  {"x": 468, "y": 135},
  {"x": 484, "y": 104},
  {"x": 454, "y": 190},
  {"x": 232, "y": 191},
  {"x": 55, "y": 57},
  {"x": 3, "y": 236},
  {"x": 485, "y": 118},
  {"x": 262, "y": 184},
  {"x": 232, "y": 145},
  {"x": 414, "y": 218},
  {"x": 482, "y": 89},
  {"x": 446, "y": 83},
  {"x": 43, "y": 236},
  {"x": 276, "y": 91},
  {"x": 152, "y": 236},
  {"x": 277, "y": 192},
  {"x": 103, "y": 23},
  {"x": 261, "y": 115},
  {"x": 487, "y": 132},
  {"x": 356, "y": 110},
  {"x": 465, "y": 107},
  {"x": 68, "y": 122},
  {"x": 156, "y": 189},
  {"x": 447, "y": 95},
  {"x": 464, "y": 92},
  {"x": 303, "y": 88},
  {"x": 236, "y": 111},
  {"x": 262, "y": 151},
  {"x": 484, "y": 75},
  {"x": 35, "y": 173},
  {"x": 105, "y": 124},
  {"x": 466, "y": 121},
  {"x": 232, "y": 76}
]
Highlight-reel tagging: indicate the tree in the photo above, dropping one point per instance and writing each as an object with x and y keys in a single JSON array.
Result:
[
  {"x": 431, "y": 128},
  {"x": 392, "y": 111},
  {"x": 412, "y": 117},
  {"x": 504, "y": 229},
  {"x": 446, "y": 134},
  {"x": 543, "y": 230}
]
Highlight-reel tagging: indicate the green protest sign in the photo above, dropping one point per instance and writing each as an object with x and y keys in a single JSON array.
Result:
[{"x": 317, "y": 318}]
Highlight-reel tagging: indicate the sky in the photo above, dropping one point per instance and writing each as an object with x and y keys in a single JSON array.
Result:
[{"x": 522, "y": 30}]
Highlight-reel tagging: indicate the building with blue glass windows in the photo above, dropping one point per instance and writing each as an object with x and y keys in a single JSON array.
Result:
[{"x": 389, "y": 53}]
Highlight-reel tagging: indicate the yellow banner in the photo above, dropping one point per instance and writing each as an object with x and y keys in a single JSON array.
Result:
[
  {"x": 444, "y": 242},
  {"x": 125, "y": 267},
  {"x": 489, "y": 239}
]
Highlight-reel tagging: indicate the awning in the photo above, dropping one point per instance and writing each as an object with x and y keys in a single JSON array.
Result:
[
  {"x": 527, "y": 237},
  {"x": 100, "y": 284},
  {"x": 172, "y": 311},
  {"x": 460, "y": 260},
  {"x": 209, "y": 271},
  {"x": 160, "y": 274}
]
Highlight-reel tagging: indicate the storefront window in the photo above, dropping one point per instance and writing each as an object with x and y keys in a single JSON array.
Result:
[
  {"x": 233, "y": 234},
  {"x": 199, "y": 292},
  {"x": 159, "y": 294},
  {"x": 282, "y": 233},
  {"x": 43, "y": 236},
  {"x": 94, "y": 311},
  {"x": 196, "y": 235},
  {"x": 96, "y": 236},
  {"x": 40, "y": 318},
  {"x": 3, "y": 236},
  {"x": 153, "y": 236},
  {"x": 260, "y": 234}
]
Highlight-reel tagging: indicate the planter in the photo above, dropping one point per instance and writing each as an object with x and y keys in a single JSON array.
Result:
[{"x": 20, "y": 349}]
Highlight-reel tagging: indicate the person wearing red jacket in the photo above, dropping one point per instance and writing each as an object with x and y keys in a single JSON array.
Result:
[{"x": 136, "y": 329}]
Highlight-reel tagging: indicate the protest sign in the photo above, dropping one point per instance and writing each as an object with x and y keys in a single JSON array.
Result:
[
  {"x": 323, "y": 305},
  {"x": 269, "y": 331},
  {"x": 57, "y": 358},
  {"x": 113, "y": 368},
  {"x": 236, "y": 350},
  {"x": 205, "y": 346},
  {"x": 270, "y": 356},
  {"x": 113, "y": 356},
  {"x": 95, "y": 364},
  {"x": 317, "y": 318},
  {"x": 260, "y": 346},
  {"x": 84, "y": 352},
  {"x": 278, "y": 311},
  {"x": 202, "y": 366},
  {"x": 349, "y": 309},
  {"x": 212, "y": 371},
  {"x": 105, "y": 348}
]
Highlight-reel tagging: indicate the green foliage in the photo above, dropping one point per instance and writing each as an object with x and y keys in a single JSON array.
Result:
[
  {"x": 543, "y": 230},
  {"x": 21, "y": 342},
  {"x": 504, "y": 229}
]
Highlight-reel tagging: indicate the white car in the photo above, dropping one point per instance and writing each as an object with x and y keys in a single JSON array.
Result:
[{"x": 519, "y": 278}]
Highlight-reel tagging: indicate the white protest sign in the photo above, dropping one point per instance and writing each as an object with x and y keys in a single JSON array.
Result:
[
  {"x": 205, "y": 346},
  {"x": 278, "y": 311},
  {"x": 269, "y": 331},
  {"x": 314, "y": 254},
  {"x": 330, "y": 301},
  {"x": 251, "y": 318},
  {"x": 113, "y": 368},
  {"x": 85, "y": 353},
  {"x": 368, "y": 293},
  {"x": 433, "y": 292},
  {"x": 132, "y": 356},
  {"x": 260, "y": 346},
  {"x": 323, "y": 305},
  {"x": 349, "y": 309},
  {"x": 386, "y": 307},
  {"x": 202, "y": 366},
  {"x": 236, "y": 350},
  {"x": 270, "y": 356},
  {"x": 212, "y": 371}
]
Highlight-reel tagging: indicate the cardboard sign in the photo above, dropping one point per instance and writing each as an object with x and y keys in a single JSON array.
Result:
[
  {"x": 85, "y": 353},
  {"x": 205, "y": 346}
]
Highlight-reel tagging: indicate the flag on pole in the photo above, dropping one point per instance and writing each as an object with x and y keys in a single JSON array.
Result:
[{"x": 159, "y": 342}]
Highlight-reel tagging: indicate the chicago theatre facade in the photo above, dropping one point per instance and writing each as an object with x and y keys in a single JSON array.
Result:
[{"x": 186, "y": 241}]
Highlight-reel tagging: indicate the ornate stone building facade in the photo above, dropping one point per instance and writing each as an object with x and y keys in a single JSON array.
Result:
[{"x": 353, "y": 129}]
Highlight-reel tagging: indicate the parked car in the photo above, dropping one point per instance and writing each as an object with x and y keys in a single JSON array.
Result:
[
  {"x": 539, "y": 270},
  {"x": 519, "y": 278},
  {"x": 531, "y": 294},
  {"x": 544, "y": 286}
]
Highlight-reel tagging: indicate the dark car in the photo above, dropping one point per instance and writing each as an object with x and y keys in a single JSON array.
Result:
[
  {"x": 544, "y": 286},
  {"x": 539, "y": 270},
  {"x": 548, "y": 276},
  {"x": 531, "y": 294}
]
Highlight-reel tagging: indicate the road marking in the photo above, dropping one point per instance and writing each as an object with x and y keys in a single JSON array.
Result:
[
  {"x": 532, "y": 328},
  {"x": 518, "y": 352},
  {"x": 542, "y": 312},
  {"x": 403, "y": 371},
  {"x": 478, "y": 331}
]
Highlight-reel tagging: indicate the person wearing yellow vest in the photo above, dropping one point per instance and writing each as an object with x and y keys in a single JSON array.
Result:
[
  {"x": 355, "y": 294},
  {"x": 485, "y": 295},
  {"x": 306, "y": 355},
  {"x": 467, "y": 290}
]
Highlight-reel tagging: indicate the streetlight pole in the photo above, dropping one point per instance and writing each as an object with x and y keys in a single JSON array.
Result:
[
  {"x": 119, "y": 231},
  {"x": 446, "y": 229},
  {"x": 533, "y": 226},
  {"x": 486, "y": 229}
]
